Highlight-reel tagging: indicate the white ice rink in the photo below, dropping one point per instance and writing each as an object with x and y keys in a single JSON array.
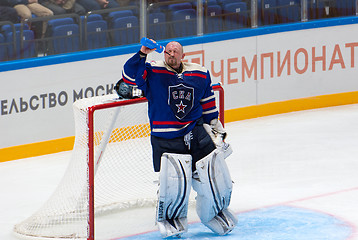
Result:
[{"x": 295, "y": 174}]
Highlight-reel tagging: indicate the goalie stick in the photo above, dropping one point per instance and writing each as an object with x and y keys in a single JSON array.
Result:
[
  {"x": 99, "y": 154},
  {"x": 105, "y": 139}
]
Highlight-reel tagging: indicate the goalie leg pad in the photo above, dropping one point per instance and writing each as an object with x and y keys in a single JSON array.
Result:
[
  {"x": 175, "y": 227},
  {"x": 223, "y": 223},
  {"x": 213, "y": 185},
  {"x": 173, "y": 195}
]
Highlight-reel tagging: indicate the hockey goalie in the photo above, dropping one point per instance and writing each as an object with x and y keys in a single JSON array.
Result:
[{"x": 187, "y": 139}]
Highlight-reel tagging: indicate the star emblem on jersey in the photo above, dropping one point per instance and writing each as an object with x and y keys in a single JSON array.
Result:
[
  {"x": 181, "y": 99},
  {"x": 181, "y": 107}
]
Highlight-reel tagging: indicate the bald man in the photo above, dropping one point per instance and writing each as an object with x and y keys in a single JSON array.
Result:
[{"x": 181, "y": 102}]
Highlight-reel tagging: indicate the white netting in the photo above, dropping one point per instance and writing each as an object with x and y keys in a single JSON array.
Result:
[{"x": 123, "y": 179}]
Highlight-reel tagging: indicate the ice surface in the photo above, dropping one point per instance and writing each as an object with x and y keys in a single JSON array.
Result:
[{"x": 295, "y": 177}]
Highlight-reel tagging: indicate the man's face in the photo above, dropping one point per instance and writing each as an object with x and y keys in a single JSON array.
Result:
[{"x": 174, "y": 54}]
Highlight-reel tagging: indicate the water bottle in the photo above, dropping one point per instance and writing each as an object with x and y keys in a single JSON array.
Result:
[{"x": 150, "y": 44}]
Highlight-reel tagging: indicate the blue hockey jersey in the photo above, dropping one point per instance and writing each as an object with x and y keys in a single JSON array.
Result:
[{"x": 175, "y": 100}]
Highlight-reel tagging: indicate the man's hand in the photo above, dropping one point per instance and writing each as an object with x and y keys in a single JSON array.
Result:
[
  {"x": 218, "y": 128},
  {"x": 218, "y": 134},
  {"x": 147, "y": 50},
  {"x": 103, "y": 3}
]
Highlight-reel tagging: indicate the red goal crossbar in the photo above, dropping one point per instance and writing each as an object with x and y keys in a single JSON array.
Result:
[{"x": 91, "y": 133}]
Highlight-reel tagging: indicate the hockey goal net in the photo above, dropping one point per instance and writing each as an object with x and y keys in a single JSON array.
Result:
[{"x": 109, "y": 173}]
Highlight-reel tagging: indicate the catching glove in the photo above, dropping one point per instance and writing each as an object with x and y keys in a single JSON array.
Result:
[{"x": 218, "y": 134}]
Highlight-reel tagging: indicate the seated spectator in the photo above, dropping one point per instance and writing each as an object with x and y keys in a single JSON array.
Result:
[
  {"x": 91, "y": 5},
  {"x": 123, "y": 3},
  {"x": 8, "y": 13},
  {"x": 64, "y": 6},
  {"x": 25, "y": 8}
]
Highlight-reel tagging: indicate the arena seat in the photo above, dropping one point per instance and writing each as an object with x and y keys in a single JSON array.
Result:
[{"x": 125, "y": 30}]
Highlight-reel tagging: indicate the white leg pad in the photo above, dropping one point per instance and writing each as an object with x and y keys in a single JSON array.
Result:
[
  {"x": 213, "y": 185},
  {"x": 173, "y": 195},
  {"x": 175, "y": 227},
  {"x": 223, "y": 223}
]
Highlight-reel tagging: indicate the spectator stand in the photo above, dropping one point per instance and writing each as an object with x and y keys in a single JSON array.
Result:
[
  {"x": 162, "y": 20},
  {"x": 122, "y": 25},
  {"x": 95, "y": 31},
  {"x": 16, "y": 41},
  {"x": 180, "y": 18},
  {"x": 62, "y": 30},
  {"x": 318, "y": 9},
  {"x": 236, "y": 14}
]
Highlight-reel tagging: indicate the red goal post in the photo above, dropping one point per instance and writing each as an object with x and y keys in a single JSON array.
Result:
[
  {"x": 91, "y": 161},
  {"x": 110, "y": 171}
]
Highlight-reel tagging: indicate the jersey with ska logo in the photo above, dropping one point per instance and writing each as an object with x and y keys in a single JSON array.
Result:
[
  {"x": 181, "y": 100},
  {"x": 175, "y": 100}
]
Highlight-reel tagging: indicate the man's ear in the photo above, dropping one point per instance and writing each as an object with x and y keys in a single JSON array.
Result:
[{"x": 182, "y": 57}]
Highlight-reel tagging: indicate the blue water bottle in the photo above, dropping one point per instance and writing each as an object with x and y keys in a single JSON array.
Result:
[{"x": 150, "y": 44}]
